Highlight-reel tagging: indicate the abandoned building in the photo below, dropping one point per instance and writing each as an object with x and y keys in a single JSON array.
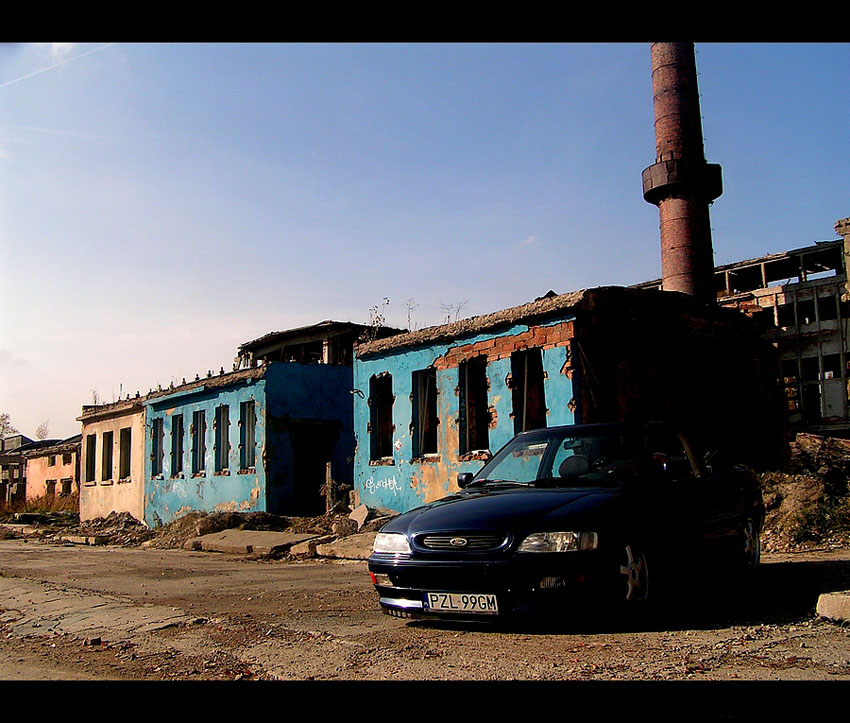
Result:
[
  {"x": 435, "y": 402},
  {"x": 13, "y": 468},
  {"x": 54, "y": 470},
  {"x": 274, "y": 435},
  {"x": 328, "y": 342},
  {"x": 112, "y": 447},
  {"x": 799, "y": 299},
  {"x": 15, "y": 453}
]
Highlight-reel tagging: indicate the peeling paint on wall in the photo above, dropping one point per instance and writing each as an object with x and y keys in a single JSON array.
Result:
[{"x": 406, "y": 481}]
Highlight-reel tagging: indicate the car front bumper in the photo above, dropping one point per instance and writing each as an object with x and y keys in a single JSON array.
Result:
[{"x": 519, "y": 583}]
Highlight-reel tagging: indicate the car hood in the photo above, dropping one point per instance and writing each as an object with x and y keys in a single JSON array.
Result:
[{"x": 507, "y": 509}]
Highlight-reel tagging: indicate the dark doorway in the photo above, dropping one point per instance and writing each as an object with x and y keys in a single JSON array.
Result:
[{"x": 313, "y": 447}]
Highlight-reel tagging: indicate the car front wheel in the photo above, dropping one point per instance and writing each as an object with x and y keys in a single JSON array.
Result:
[{"x": 634, "y": 576}]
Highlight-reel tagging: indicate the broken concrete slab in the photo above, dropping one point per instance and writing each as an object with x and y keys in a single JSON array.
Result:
[
  {"x": 353, "y": 547},
  {"x": 85, "y": 539},
  {"x": 359, "y": 515},
  {"x": 38, "y": 608},
  {"x": 242, "y": 542},
  {"x": 834, "y": 605},
  {"x": 21, "y": 529}
]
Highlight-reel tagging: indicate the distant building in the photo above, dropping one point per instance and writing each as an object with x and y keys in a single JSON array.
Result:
[
  {"x": 13, "y": 468},
  {"x": 15, "y": 453},
  {"x": 54, "y": 470}
]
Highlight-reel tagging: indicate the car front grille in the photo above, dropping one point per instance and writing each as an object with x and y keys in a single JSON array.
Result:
[{"x": 477, "y": 542}]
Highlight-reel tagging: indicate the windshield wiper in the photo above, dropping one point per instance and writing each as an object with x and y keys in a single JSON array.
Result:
[{"x": 495, "y": 482}]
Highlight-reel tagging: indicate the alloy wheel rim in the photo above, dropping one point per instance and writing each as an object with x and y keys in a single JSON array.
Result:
[{"x": 634, "y": 571}]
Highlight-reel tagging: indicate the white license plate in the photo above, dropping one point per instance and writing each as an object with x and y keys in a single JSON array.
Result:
[{"x": 457, "y": 602}]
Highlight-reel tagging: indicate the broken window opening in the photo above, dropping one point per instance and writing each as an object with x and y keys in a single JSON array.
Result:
[
  {"x": 832, "y": 366},
  {"x": 424, "y": 422},
  {"x": 66, "y": 486},
  {"x": 106, "y": 457},
  {"x": 199, "y": 446},
  {"x": 156, "y": 446},
  {"x": 812, "y": 403},
  {"x": 785, "y": 315},
  {"x": 248, "y": 436},
  {"x": 474, "y": 421},
  {"x": 51, "y": 461},
  {"x": 91, "y": 451},
  {"x": 222, "y": 438},
  {"x": 50, "y": 487},
  {"x": 124, "y": 440},
  {"x": 811, "y": 369},
  {"x": 806, "y": 312},
  {"x": 66, "y": 458},
  {"x": 381, "y": 416},
  {"x": 529, "y": 401},
  {"x": 176, "y": 445},
  {"x": 827, "y": 308}
]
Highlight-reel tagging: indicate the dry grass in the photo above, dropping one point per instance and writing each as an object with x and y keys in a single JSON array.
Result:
[{"x": 45, "y": 504}]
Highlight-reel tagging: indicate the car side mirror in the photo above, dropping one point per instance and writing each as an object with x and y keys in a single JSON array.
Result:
[{"x": 464, "y": 478}]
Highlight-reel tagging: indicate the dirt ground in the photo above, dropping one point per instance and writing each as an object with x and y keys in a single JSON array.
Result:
[{"x": 209, "y": 616}]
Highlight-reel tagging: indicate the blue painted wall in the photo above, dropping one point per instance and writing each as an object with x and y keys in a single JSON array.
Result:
[
  {"x": 409, "y": 482},
  {"x": 167, "y": 497},
  {"x": 308, "y": 403}
]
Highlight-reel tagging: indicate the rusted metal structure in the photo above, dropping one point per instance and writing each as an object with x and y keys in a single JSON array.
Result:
[{"x": 680, "y": 182}]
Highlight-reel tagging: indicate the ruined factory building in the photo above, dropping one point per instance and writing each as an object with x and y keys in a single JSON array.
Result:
[
  {"x": 435, "y": 402},
  {"x": 799, "y": 300},
  {"x": 273, "y": 435}
]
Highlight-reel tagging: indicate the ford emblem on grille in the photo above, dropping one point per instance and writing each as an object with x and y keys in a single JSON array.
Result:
[{"x": 459, "y": 542}]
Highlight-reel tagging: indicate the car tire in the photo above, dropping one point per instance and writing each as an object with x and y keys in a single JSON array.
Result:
[{"x": 634, "y": 576}]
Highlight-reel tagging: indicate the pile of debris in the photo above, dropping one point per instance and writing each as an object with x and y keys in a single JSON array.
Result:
[
  {"x": 195, "y": 524},
  {"x": 123, "y": 529},
  {"x": 117, "y": 528},
  {"x": 808, "y": 507}
]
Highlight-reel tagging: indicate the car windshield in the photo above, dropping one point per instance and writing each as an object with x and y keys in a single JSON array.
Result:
[{"x": 562, "y": 457}]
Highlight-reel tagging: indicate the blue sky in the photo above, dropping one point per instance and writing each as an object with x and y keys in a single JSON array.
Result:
[{"x": 163, "y": 203}]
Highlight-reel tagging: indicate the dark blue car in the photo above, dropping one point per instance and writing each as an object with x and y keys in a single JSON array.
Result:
[{"x": 570, "y": 516}]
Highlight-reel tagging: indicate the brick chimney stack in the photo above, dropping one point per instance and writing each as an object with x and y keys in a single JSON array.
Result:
[{"x": 680, "y": 182}]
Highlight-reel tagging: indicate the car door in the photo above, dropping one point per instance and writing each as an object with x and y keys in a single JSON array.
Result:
[{"x": 689, "y": 497}]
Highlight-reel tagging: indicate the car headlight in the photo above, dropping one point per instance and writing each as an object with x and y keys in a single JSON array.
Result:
[
  {"x": 391, "y": 543},
  {"x": 559, "y": 542}
]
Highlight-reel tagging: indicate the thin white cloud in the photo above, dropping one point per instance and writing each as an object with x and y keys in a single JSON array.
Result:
[
  {"x": 54, "y": 47},
  {"x": 57, "y": 132},
  {"x": 528, "y": 241}
]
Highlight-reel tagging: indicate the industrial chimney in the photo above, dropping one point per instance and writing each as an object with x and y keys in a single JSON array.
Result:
[{"x": 680, "y": 182}]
